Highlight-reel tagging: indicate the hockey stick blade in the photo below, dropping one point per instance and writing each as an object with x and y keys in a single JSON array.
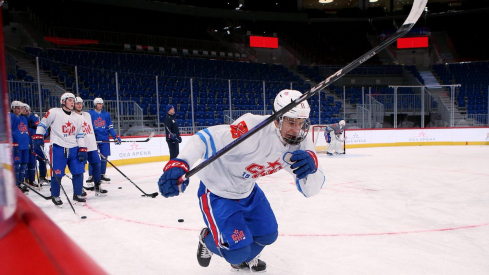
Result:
[
  {"x": 416, "y": 11},
  {"x": 33, "y": 190},
  {"x": 145, "y": 140},
  {"x": 150, "y": 195},
  {"x": 115, "y": 167}
]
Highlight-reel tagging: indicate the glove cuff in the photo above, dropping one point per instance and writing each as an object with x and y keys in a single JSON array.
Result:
[
  {"x": 82, "y": 149},
  {"x": 37, "y": 137},
  {"x": 176, "y": 163},
  {"x": 314, "y": 157}
]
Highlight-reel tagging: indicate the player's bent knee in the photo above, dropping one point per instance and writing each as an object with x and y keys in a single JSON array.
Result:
[
  {"x": 267, "y": 239},
  {"x": 236, "y": 256}
]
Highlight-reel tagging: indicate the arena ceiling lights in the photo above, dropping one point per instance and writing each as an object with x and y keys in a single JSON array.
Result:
[{"x": 325, "y": 1}]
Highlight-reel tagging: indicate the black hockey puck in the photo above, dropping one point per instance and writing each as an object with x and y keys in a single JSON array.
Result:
[
  {"x": 120, "y": 187},
  {"x": 83, "y": 217},
  {"x": 180, "y": 220}
]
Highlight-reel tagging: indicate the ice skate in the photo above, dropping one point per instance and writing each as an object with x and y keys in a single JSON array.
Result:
[
  {"x": 57, "y": 201},
  {"x": 89, "y": 180},
  {"x": 23, "y": 188},
  {"x": 84, "y": 194},
  {"x": 44, "y": 181},
  {"x": 104, "y": 178},
  {"x": 203, "y": 254},
  {"x": 99, "y": 191},
  {"x": 255, "y": 265},
  {"x": 79, "y": 198},
  {"x": 32, "y": 183}
]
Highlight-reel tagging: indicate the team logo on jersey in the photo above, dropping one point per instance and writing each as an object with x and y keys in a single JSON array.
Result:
[
  {"x": 46, "y": 114},
  {"x": 239, "y": 129},
  {"x": 258, "y": 170},
  {"x": 86, "y": 128},
  {"x": 57, "y": 171},
  {"x": 99, "y": 122},
  {"x": 23, "y": 128},
  {"x": 68, "y": 129},
  {"x": 238, "y": 235}
]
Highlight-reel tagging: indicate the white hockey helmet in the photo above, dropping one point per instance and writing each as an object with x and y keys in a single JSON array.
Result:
[
  {"x": 16, "y": 103},
  {"x": 287, "y": 96},
  {"x": 97, "y": 101},
  {"x": 27, "y": 107},
  {"x": 342, "y": 123},
  {"x": 300, "y": 111},
  {"x": 66, "y": 96},
  {"x": 78, "y": 99}
]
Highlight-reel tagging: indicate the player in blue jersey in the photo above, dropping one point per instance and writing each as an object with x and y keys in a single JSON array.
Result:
[
  {"x": 32, "y": 122},
  {"x": 20, "y": 142},
  {"x": 102, "y": 125}
]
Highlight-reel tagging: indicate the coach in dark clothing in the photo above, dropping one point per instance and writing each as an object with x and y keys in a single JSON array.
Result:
[{"x": 172, "y": 133}]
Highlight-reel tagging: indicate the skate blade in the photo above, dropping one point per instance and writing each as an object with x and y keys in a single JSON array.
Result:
[
  {"x": 246, "y": 270},
  {"x": 80, "y": 203},
  {"x": 101, "y": 194}
]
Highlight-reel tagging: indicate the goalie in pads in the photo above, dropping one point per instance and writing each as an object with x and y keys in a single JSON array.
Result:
[
  {"x": 239, "y": 219},
  {"x": 334, "y": 137}
]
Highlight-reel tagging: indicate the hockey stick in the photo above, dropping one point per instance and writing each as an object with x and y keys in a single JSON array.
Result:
[
  {"x": 32, "y": 189},
  {"x": 145, "y": 140},
  {"x": 59, "y": 182},
  {"x": 416, "y": 11},
  {"x": 153, "y": 195},
  {"x": 86, "y": 188}
]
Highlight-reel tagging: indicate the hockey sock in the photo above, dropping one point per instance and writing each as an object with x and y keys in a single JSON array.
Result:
[
  {"x": 259, "y": 243},
  {"x": 17, "y": 172},
  {"x": 255, "y": 250},
  {"x": 31, "y": 171},
  {"x": 103, "y": 166},
  {"x": 95, "y": 171},
  {"x": 90, "y": 170},
  {"x": 211, "y": 245},
  {"x": 23, "y": 167},
  {"x": 77, "y": 184},
  {"x": 43, "y": 171},
  {"x": 236, "y": 256},
  {"x": 55, "y": 185}
]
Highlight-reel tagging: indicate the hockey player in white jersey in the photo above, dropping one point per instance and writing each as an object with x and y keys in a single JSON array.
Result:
[
  {"x": 91, "y": 142},
  {"x": 334, "y": 137},
  {"x": 239, "y": 219},
  {"x": 67, "y": 146}
]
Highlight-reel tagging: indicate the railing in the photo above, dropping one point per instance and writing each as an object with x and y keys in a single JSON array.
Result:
[
  {"x": 370, "y": 114},
  {"x": 444, "y": 113},
  {"x": 406, "y": 103},
  {"x": 28, "y": 92}
]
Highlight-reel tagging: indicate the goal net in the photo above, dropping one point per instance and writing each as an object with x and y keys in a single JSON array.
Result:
[{"x": 317, "y": 136}]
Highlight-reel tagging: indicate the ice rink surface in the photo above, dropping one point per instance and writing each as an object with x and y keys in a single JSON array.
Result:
[{"x": 387, "y": 210}]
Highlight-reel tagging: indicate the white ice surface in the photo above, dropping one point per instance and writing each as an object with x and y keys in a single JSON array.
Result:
[{"x": 390, "y": 210}]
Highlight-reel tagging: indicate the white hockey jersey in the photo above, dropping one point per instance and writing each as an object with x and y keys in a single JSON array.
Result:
[
  {"x": 87, "y": 129},
  {"x": 66, "y": 130},
  {"x": 234, "y": 174}
]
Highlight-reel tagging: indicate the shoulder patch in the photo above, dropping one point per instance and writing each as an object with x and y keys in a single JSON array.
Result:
[{"x": 239, "y": 129}]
